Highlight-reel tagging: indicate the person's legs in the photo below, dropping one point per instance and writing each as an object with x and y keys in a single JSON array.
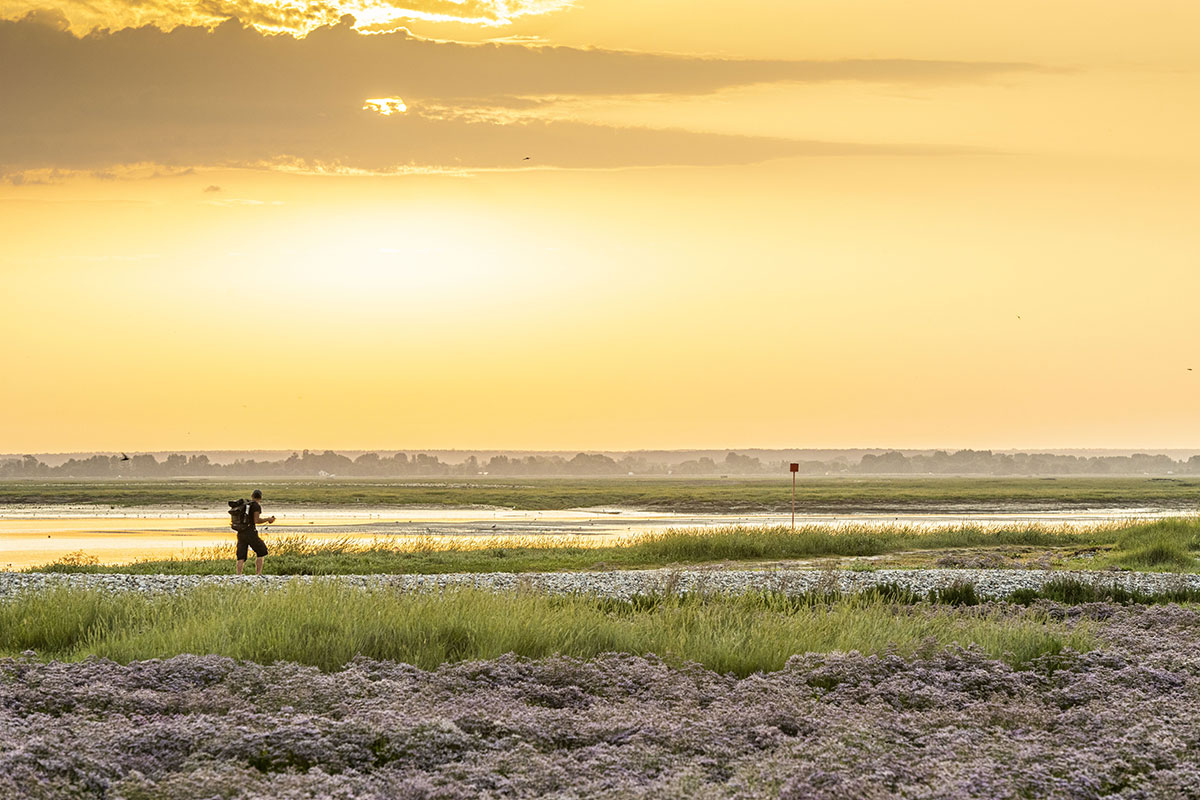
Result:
[
  {"x": 260, "y": 552},
  {"x": 242, "y": 547}
]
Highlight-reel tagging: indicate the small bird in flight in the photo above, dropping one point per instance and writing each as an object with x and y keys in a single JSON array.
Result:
[
  {"x": 526, "y": 158},
  {"x": 124, "y": 457}
]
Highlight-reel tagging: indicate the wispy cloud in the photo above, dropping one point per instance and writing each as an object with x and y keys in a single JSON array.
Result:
[
  {"x": 111, "y": 257},
  {"x": 239, "y": 202}
]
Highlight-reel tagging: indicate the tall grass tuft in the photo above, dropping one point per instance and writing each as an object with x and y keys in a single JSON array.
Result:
[{"x": 1167, "y": 544}]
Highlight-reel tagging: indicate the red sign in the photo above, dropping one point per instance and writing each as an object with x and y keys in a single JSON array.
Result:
[{"x": 795, "y": 467}]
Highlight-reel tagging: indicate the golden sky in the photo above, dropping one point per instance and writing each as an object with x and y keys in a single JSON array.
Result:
[{"x": 599, "y": 224}]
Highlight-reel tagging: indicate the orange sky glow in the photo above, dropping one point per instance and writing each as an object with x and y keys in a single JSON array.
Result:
[{"x": 606, "y": 224}]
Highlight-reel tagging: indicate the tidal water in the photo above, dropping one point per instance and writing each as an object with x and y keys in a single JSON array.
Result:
[{"x": 31, "y": 535}]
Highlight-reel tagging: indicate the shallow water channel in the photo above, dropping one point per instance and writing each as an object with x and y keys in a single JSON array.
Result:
[{"x": 32, "y": 535}]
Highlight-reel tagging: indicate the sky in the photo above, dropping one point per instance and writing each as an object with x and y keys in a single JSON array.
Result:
[{"x": 600, "y": 224}]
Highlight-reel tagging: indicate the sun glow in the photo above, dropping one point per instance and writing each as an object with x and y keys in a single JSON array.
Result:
[
  {"x": 945, "y": 228},
  {"x": 385, "y": 106}
]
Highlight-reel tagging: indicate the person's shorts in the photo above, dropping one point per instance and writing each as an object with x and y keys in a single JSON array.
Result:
[{"x": 250, "y": 540}]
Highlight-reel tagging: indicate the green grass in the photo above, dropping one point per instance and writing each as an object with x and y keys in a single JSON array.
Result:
[
  {"x": 734, "y": 495},
  {"x": 1168, "y": 545},
  {"x": 1074, "y": 592},
  {"x": 326, "y": 625}
]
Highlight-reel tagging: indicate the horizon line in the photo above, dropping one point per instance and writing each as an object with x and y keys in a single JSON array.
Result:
[{"x": 574, "y": 450}]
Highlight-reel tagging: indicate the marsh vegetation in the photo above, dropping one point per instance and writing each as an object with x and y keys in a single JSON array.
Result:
[
  {"x": 328, "y": 624},
  {"x": 1164, "y": 545},
  {"x": 699, "y": 495}
]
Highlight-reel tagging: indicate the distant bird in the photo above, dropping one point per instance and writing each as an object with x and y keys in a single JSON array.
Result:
[
  {"x": 1018, "y": 316},
  {"x": 124, "y": 457},
  {"x": 1189, "y": 369},
  {"x": 526, "y": 158}
]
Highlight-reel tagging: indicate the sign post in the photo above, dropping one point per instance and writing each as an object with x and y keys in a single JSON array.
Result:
[{"x": 794, "y": 468}]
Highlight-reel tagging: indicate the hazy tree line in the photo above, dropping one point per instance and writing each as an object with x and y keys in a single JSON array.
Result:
[
  {"x": 330, "y": 463},
  {"x": 985, "y": 462}
]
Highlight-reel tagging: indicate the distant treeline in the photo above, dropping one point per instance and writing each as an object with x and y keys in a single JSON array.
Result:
[{"x": 332, "y": 464}]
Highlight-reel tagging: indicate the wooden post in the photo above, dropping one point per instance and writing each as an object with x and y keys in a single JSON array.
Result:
[{"x": 795, "y": 468}]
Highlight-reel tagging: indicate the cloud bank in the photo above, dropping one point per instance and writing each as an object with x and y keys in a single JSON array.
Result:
[{"x": 233, "y": 96}]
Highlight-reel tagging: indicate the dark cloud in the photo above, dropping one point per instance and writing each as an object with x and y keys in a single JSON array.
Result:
[{"x": 235, "y": 96}]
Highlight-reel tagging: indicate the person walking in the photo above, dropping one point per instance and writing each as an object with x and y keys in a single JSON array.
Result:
[{"x": 248, "y": 538}]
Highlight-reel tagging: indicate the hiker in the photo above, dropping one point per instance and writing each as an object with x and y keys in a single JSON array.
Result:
[{"x": 247, "y": 535}]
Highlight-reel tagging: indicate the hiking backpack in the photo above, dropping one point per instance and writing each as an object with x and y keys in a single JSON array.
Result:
[{"x": 239, "y": 514}]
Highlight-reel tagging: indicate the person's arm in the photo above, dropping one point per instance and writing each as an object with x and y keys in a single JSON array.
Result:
[{"x": 259, "y": 520}]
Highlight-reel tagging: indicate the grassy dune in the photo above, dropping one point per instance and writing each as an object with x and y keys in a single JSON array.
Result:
[
  {"x": 1171, "y": 545},
  {"x": 664, "y": 494},
  {"x": 327, "y": 625}
]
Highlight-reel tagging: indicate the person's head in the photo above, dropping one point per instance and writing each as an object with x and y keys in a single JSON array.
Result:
[{"x": 257, "y": 495}]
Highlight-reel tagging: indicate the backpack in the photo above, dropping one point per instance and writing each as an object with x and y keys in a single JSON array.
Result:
[{"x": 239, "y": 516}]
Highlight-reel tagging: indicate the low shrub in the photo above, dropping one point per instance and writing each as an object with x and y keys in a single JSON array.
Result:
[{"x": 959, "y": 593}]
